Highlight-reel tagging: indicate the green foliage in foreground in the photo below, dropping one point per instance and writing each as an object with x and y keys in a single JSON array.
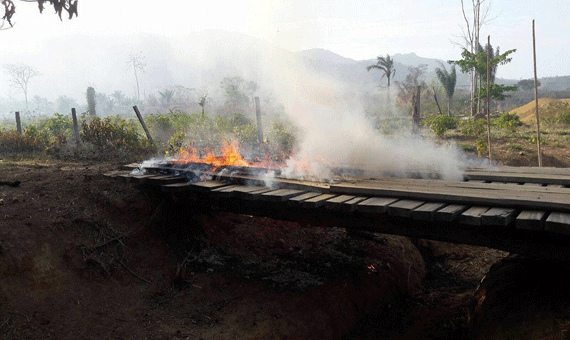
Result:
[
  {"x": 507, "y": 122},
  {"x": 176, "y": 130},
  {"x": 439, "y": 124},
  {"x": 470, "y": 127},
  {"x": 108, "y": 138}
]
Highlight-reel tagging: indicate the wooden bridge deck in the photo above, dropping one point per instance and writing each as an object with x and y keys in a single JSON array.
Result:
[{"x": 521, "y": 210}]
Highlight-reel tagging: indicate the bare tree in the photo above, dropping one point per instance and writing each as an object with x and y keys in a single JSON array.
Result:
[
  {"x": 136, "y": 61},
  {"x": 202, "y": 102},
  {"x": 471, "y": 34},
  {"x": 20, "y": 75},
  {"x": 69, "y": 6}
]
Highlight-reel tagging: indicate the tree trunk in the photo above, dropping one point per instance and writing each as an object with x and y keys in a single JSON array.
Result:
[{"x": 416, "y": 110}]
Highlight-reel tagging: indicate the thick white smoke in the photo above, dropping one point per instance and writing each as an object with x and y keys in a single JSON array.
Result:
[{"x": 337, "y": 131}]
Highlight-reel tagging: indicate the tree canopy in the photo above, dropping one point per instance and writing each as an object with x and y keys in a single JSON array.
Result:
[
  {"x": 448, "y": 81},
  {"x": 527, "y": 84},
  {"x": 478, "y": 62},
  {"x": 386, "y": 64},
  {"x": 60, "y": 6}
]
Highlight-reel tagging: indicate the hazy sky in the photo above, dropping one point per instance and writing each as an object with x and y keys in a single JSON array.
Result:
[{"x": 359, "y": 29}]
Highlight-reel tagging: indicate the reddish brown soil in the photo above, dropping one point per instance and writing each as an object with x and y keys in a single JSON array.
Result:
[{"x": 86, "y": 257}]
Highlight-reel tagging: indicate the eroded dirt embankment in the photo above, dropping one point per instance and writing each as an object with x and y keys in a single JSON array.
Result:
[{"x": 82, "y": 256}]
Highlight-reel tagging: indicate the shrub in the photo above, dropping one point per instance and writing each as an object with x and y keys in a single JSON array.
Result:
[
  {"x": 467, "y": 147},
  {"x": 282, "y": 136},
  {"x": 470, "y": 127},
  {"x": 563, "y": 117},
  {"x": 112, "y": 138},
  {"x": 176, "y": 142},
  {"x": 516, "y": 147},
  {"x": 481, "y": 146},
  {"x": 13, "y": 141},
  {"x": 439, "y": 124},
  {"x": 508, "y": 122}
]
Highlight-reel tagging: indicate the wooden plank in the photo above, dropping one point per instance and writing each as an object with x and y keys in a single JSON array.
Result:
[
  {"x": 206, "y": 186},
  {"x": 299, "y": 199},
  {"x": 499, "y": 216},
  {"x": 375, "y": 205},
  {"x": 177, "y": 187},
  {"x": 520, "y": 170},
  {"x": 317, "y": 201},
  {"x": 450, "y": 212},
  {"x": 531, "y": 220},
  {"x": 352, "y": 204},
  {"x": 278, "y": 182},
  {"x": 403, "y": 208},
  {"x": 225, "y": 191},
  {"x": 163, "y": 180},
  {"x": 473, "y": 215},
  {"x": 464, "y": 193},
  {"x": 426, "y": 212},
  {"x": 532, "y": 184},
  {"x": 140, "y": 179},
  {"x": 519, "y": 177},
  {"x": 280, "y": 195},
  {"x": 558, "y": 222},
  {"x": 254, "y": 194},
  {"x": 131, "y": 166},
  {"x": 336, "y": 202}
]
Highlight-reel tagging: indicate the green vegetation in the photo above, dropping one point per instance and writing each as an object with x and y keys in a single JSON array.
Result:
[
  {"x": 481, "y": 146},
  {"x": 176, "y": 130},
  {"x": 109, "y": 138},
  {"x": 114, "y": 137},
  {"x": 439, "y": 124},
  {"x": 507, "y": 122},
  {"x": 448, "y": 81},
  {"x": 470, "y": 127}
]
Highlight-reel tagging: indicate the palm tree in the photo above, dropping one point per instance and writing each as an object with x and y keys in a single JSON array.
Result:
[
  {"x": 385, "y": 64},
  {"x": 447, "y": 80},
  {"x": 166, "y": 97}
]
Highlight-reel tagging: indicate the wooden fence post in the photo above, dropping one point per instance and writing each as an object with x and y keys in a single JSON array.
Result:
[
  {"x": 416, "y": 112},
  {"x": 488, "y": 96},
  {"x": 536, "y": 98},
  {"x": 436, "y": 101},
  {"x": 18, "y": 123},
  {"x": 142, "y": 123},
  {"x": 259, "y": 126},
  {"x": 75, "y": 128}
]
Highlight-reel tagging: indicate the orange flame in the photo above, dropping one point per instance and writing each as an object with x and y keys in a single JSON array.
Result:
[{"x": 230, "y": 156}]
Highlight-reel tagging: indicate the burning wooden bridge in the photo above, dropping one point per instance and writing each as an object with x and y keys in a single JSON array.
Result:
[{"x": 520, "y": 210}]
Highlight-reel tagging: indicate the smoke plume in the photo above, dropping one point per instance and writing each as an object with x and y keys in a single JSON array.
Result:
[{"x": 336, "y": 132}]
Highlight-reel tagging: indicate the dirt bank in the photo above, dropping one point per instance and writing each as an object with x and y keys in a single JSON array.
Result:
[{"x": 82, "y": 256}]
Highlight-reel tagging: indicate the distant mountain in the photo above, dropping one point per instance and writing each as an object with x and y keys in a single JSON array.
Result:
[
  {"x": 355, "y": 72},
  {"x": 325, "y": 55},
  {"x": 198, "y": 60}
]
